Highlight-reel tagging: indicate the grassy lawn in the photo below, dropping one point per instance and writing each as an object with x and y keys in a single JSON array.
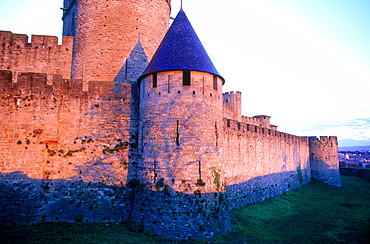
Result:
[{"x": 315, "y": 213}]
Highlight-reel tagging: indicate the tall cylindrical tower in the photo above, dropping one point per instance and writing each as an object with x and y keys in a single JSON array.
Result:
[
  {"x": 180, "y": 140},
  {"x": 106, "y": 32}
]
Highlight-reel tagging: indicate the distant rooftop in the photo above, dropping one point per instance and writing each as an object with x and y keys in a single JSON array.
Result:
[{"x": 181, "y": 49}]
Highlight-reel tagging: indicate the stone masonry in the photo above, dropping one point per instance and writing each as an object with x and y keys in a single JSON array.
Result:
[{"x": 132, "y": 137}]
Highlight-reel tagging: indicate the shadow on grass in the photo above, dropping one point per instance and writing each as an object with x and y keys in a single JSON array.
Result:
[{"x": 315, "y": 213}]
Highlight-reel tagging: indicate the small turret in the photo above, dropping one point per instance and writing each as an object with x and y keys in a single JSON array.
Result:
[
  {"x": 264, "y": 120},
  {"x": 233, "y": 105}
]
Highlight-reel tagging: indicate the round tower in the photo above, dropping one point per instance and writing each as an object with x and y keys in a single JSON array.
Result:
[
  {"x": 106, "y": 32},
  {"x": 181, "y": 111},
  {"x": 181, "y": 126},
  {"x": 180, "y": 140}
]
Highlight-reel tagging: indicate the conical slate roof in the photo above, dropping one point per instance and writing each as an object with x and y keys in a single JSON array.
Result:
[{"x": 181, "y": 49}]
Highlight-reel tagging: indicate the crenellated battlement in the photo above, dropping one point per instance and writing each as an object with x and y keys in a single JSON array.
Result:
[
  {"x": 42, "y": 55},
  {"x": 250, "y": 120},
  {"x": 232, "y": 93},
  {"x": 171, "y": 155},
  {"x": 11, "y": 40},
  {"x": 324, "y": 138},
  {"x": 232, "y": 97},
  {"x": 232, "y": 105},
  {"x": 35, "y": 84},
  {"x": 244, "y": 128}
]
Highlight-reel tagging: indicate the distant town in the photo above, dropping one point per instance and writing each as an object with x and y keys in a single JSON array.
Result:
[{"x": 354, "y": 159}]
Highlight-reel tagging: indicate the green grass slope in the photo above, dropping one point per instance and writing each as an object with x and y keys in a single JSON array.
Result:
[{"x": 315, "y": 213}]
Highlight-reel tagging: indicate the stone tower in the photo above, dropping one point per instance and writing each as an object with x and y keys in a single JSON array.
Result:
[
  {"x": 180, "y": 138},
  {"x": 324, "y": 160},
  {"x": 180, "y": 104},
  {"x": 106, "y": 32}
]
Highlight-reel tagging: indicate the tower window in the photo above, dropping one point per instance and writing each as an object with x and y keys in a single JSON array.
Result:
[
  {"x": 177, "y": 134},
  {"x": 155, "y": 80},
  {"x": 186, "y": 77},
  {"x": 215, "y": 82}
]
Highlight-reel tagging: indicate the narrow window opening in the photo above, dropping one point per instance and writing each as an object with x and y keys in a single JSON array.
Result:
[
  {"x": 193, "y": 92},
  {"x": 200, "y": 170},
  {"x": 155, "y": 173},
  {"x": 215, "y": 82},
  {"x": 177, "y": 134},
  {"x": 186, "y": 77},
  {"x": 203, "y": 84},
  {"x": 216, "y": 132},
  {"x": 168, "y": 83},
  {"x": 210, "y": 95},
  {"x": 155, "y": 80},
  {"x": 126, "y": 69},
  {"x": 159, "y": 93},
  {"x": 178, "y": 92}
]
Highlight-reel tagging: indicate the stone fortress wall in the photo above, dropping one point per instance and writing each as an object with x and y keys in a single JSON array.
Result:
[
  {"x": 273, "y": 162},
  {"x": 63, "y": 151},
  {"x": 71, "y": 155},
  {"x": 172, "y": 159}
]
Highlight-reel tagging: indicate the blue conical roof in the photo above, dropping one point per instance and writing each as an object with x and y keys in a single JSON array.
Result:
[{"x": 181, "y": 49}]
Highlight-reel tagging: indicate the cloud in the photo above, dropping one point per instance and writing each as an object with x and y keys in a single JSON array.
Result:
[
  {"x": 361, "y": 123},
  {"x": 353, "y": 132}
]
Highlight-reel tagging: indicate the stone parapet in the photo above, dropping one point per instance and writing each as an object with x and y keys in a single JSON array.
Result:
[{"x": 42, "y": 55}]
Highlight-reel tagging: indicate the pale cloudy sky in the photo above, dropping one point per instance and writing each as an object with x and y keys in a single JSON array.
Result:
[{"x": 306, "y": 63}]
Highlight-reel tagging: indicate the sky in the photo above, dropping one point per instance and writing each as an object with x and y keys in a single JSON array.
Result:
[{"x": 305, "y": 63}]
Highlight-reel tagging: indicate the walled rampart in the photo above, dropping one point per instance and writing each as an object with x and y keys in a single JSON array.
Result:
[
  {"x": 260, "y": 163},
  {"x": 250, "y": 120},
  {"x": 324, "y": 159},
  {"x": 70, "y": 154},
  {"x": 41, "y": 55},
  {"x": 65, "y": 154}
]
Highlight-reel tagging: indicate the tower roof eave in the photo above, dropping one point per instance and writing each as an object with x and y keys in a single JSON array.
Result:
[{"x": 181, "y": 49}]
